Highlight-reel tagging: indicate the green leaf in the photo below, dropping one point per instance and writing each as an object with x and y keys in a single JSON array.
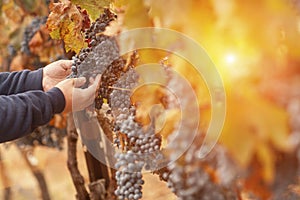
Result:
[{"x": 93, "y": 7}]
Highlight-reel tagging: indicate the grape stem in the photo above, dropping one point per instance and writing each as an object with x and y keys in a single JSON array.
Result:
[{"x": 118, "y": 88}]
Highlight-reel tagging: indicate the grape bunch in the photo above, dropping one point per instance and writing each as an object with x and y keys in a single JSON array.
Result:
[
  {"x": 190, "y": 181},
  {"x": 140, "y": 147},
  {"x": 30, "y": 31},
  {"x": 101, "y": 52},
  {"x": 129, "y": 176},
  {"x": 186, "y": 175},
  {"x": 129, "y": 163},
  {"x": 109, "y": 77},
  {"x": 118, "y": 79},
  {"x": 99, "y": 25}
]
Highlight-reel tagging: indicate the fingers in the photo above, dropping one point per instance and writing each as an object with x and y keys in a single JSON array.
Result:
[
  {"x": 90, "y": 92},
  {"x": 78, "y": 82},
  {"x": 83, "y": 98},
  {"x": 91, "y": 80},
  {"x": 98, "y": 77},
  {"x": 96, "y": 80},
  {"x": 66, "y": 64}
]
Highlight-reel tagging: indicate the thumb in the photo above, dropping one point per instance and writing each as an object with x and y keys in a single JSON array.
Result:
[
  {"x": 95, "y": 82},
  {"x": 78, "y": 82}
]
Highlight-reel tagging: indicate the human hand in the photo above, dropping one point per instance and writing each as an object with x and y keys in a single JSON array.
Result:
[
  {"x": 84, "y": 97},
  {"x": 55, "y": 72}
]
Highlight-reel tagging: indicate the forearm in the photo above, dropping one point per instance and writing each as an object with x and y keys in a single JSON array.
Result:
[
  {"x": 20, "y": 114},
  {"x": 22, "y": 81}
]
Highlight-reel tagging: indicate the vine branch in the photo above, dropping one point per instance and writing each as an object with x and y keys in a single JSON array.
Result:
[{"x": 72, "y": 163}]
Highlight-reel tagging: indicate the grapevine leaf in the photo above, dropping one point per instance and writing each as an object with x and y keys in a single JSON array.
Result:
[
  {"x": 36, "y": 42},
  {"x": 253, "y": 124},
  {"x": 146, "y": 97},
  {"x": 55, "y": 34},
  {"x": 136, "y": 8},
  {"x": 170, "y": 120},
  {"x": 66, "y": 22},
  {"x": 175, "y": 15},
  {"x": 42, "y": 45},
  {"x": 93, "y": 7}
]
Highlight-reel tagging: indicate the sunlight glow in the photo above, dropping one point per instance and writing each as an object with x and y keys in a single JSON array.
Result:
[{"x": 230, "y": 58}]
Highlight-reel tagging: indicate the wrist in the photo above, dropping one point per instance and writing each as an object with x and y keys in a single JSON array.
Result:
[
  {"x": 34, "y": 80},
  {"x": 43, "y": 80},
  {"x": 57, "y": 99}
]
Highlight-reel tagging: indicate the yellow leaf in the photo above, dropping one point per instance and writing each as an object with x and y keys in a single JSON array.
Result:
[
  {"x": 266, "y": 157},
  {"x": 252, "y": 124},
  {"x": 170, "y": 119},
  {"x": 136, "y": 15},
  {"x": 145, "y": 97},
  {"x": 66, "y": 22},
  {"x": 55, "y": 34}
]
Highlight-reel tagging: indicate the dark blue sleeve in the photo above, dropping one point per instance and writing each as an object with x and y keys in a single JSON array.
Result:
[
  {"x": 22, "y": 81},
  {"x": 21, "y": 113}
]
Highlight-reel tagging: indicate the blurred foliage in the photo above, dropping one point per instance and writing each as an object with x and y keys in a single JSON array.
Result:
[{"x": 254, "y": 45}]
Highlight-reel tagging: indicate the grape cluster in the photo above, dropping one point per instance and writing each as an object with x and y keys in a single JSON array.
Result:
[
  {"x": 129, "y": 163},
  {"x": 129, "y": 176},
  {"x": 141, "y": 151},
  {"x": 99, "y": 26},
  {"x": 184, "y": 180},
  {"x": 101, "y": 52},
  {"x": 94, "y": 60},
  {"x": 185, "y": 175},
  {"x": 119, "y": 99},
  {"x": 47, "y": 135},
  {"x": 141, "y": 146},
  {"x": 30, "y": 31},
  {"x": 109, "y": 77},
  {"x": 191, "y": 180}
]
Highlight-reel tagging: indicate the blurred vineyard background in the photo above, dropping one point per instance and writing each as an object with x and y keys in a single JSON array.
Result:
[{"x": 255, "y": 45}]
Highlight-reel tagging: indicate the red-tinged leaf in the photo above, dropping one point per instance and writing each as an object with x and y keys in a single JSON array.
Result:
[{"x": 66, "y": 21}]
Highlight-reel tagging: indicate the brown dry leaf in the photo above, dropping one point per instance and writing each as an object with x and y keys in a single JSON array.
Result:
[
  {"x": 59, "y": 121},
  {"x": 19, "y": 62},
  {"x": 43, "y": 46},
  {"x": 66, "y": 22},
  {"x": 254, "y": 183},
  {"x": 36, "y": 43}
]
